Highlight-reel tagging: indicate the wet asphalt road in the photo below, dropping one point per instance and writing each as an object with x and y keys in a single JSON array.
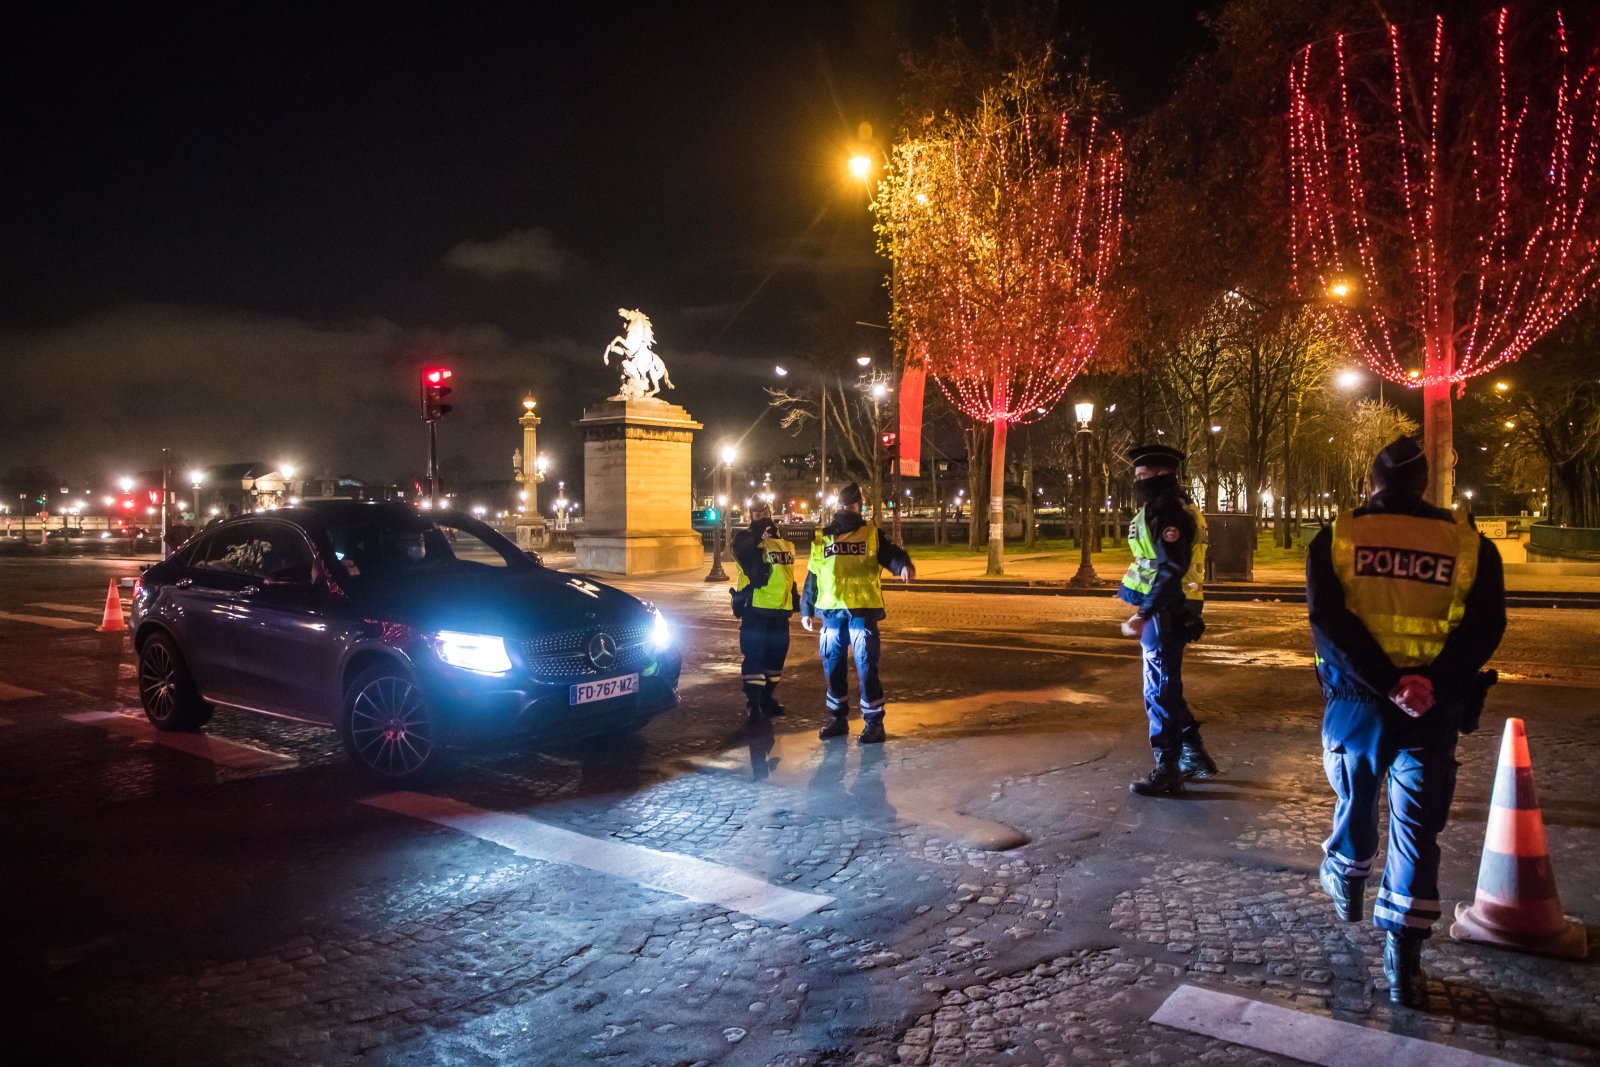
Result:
[{"x": 165, "y": 905}]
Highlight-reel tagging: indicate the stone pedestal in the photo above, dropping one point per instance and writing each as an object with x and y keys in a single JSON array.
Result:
[{"x": 637, "y": 495}]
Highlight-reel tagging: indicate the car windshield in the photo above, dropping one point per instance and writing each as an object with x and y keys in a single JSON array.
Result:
[{"x": 388, "y": 544}]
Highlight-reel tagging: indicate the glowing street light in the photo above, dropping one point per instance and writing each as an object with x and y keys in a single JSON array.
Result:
[
  {"x": 1348, "y": 379},
  {"x": 861, "y": 167}
]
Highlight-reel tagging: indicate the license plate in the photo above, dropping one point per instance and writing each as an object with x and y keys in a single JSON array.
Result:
[{"x": 605, "y": 689}]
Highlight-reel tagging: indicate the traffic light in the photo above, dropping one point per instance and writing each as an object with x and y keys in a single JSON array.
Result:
[
  {"x": 435, "y": 387},
  {"x": 711, "y": 515},
  {"x": 889, "y": 449}
]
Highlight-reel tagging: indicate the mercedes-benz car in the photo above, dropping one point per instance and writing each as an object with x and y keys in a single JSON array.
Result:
[{"x": 414, "y": 633}]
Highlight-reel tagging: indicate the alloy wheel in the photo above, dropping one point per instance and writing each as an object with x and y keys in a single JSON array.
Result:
[{"x": 389, "y": 727}]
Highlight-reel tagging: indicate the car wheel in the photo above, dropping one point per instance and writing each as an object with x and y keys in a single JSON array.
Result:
[
  {"x": 167, "y": 690},
  {"x": 389, "y": 732}
]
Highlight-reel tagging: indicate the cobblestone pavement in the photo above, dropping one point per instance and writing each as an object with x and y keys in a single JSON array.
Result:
[{"x": 997, "y": 897}]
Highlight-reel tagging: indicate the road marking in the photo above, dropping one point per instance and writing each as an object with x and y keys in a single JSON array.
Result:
[
  {"x": 75, "y": 609},
  {"x": 684, "y": 876},
  {"x": 16, "y": 692},
  {"x": 47, "y": 620},
  {"x": 218, "y": 750},
  {"x": 1312, "y": 1038}
]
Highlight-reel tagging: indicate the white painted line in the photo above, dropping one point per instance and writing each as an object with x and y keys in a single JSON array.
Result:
[
  {"x": 222, "y": 752},
  {"x": 1312, "y": 1038},
  {"x": 47, "y": 620},
  {"x": 16, "y": 692},
  {"x": 75, "y": 609},
  {"x": 684, "y": 876}
]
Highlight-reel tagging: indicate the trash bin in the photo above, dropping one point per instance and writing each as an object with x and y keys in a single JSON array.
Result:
[{"x": 1230, "y": 547}]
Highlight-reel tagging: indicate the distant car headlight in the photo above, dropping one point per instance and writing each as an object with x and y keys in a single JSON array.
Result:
[
  {"x": 482, "y": 653},
  {"x": 661, "y": 633}
]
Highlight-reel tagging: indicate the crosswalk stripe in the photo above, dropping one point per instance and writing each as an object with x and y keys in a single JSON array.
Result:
[
  {"x": 218, "y": 750},
  {"x": 16, "y": 692},
  {"x": 76, "y": 609},
  {"x": 685, "y": 876},
  {"x": 47, "y": 620},
  {"x": 1311, "y": 1038}
]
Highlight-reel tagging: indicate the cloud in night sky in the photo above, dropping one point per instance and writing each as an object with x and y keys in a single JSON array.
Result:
[
  {"x": 533, "y": 252},
  {"x": 106, "y": 393}
]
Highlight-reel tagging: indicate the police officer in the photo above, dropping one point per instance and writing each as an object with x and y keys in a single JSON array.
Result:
[
  {"x": 764, "y": 593},
  {"x": 1166, "y": 583},
  {"x": 844, "y": 588},
  {"x": 1407, "y": 604}
]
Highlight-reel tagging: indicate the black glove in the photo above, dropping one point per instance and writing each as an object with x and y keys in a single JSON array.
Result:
[{"x": 1477, "y": 694}]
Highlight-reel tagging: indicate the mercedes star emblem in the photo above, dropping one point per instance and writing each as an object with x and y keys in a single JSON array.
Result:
[{"x": 603, "y": 651}]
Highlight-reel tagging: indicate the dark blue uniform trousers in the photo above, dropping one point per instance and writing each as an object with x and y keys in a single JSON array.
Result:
[
  {"x": 1422, "y": 782},
  {"x": 858, "y": 638},
  {"x": 1170, "y": 718},
  {"x": 764, "y": 643}
]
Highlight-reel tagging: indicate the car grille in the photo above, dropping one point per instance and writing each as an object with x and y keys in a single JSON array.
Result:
[{"x": 554, "y": 657}]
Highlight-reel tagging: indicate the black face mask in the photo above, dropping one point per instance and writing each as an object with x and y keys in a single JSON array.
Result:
[{"x": 1147, "y": 489}]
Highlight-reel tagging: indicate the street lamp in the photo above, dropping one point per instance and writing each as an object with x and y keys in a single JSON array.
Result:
[
  {"x": 724, "y": 520},
  {"x": 195, "y": 478},
  {"x": 1086, "y": 578}
]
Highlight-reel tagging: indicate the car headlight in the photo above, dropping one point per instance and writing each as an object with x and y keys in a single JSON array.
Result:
[
  {"x": 482, "y": 653},
  {"x": 661, "y": 633}
]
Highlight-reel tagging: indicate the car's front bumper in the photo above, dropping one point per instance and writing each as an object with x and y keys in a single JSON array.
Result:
[{"x": 479, "y": 710}]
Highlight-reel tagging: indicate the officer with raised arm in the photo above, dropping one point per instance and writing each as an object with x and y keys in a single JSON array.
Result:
[{"x": 844, "y": 591}]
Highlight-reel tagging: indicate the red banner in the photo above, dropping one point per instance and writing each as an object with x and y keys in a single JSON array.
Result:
[{"x": 912, "y": 381}]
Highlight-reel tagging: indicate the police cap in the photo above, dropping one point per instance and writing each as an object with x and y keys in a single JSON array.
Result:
[
  {"x": 1155, "y": 456},
  {"x": 850, "y": 494}
]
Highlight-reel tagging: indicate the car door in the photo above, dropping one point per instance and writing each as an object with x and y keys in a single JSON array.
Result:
[
  {"x": 285, "y": 650},
  {"x": 202, "y": 598}
]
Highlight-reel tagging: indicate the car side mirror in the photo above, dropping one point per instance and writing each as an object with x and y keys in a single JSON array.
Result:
[{"x": 538, "y": 559}]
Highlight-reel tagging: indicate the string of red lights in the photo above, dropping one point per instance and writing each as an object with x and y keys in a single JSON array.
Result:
[
  {"x": 1013, "y": 297},
  {"x": 1464, "y": 232}
]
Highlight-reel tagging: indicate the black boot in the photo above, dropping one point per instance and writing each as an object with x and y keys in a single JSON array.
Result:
[
  {"x": 769, "y": 701},
  {"x": 1196, "y": 762},
  {"x": 1349, "y": 894},
  {"x": 1165, "y": 780},
  {"x": 872, "y": 731},
  {"x": 837, "y": 726},
  {"x": 1402, "y": 966}
]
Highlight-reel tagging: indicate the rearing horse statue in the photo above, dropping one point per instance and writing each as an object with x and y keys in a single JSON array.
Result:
[{"x": 643, "y": 372}]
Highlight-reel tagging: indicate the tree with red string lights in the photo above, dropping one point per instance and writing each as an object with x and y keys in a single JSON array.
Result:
[
  {"x": 1002, "y": 229},
  {"x": 1444, "y": 181}
]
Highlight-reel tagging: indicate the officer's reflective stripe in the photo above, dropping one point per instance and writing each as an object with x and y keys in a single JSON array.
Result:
[
  {"x": 847, "y": 570},
  {"x": 1392, "y": 570},
  {"x": 1349, "y": 868},
  {"x": 755, "y": 679},
  {"x": 778, "y": 592},
  {"x": 1400, "y": 900},
  {"x": 1405, "y": 918}
]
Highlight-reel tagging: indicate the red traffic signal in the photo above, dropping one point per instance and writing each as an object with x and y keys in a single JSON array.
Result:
[
  {"x": 435, "y": 387},
  {"x": 888, "y": 439}
]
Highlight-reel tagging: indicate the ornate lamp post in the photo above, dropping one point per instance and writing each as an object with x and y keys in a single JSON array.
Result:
[
  {"x": 195, "y": 479},
  {"x": 1086, "y": 578},
  {"x": 720, "y": 532}
]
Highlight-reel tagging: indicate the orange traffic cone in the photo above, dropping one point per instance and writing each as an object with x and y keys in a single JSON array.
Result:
[
  {"x": 111, "y": 622},
  {"x": 1517, "y": 905}
]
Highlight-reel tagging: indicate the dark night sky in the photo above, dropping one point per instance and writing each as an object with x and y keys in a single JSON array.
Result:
[{"x": 236, "y": 230}]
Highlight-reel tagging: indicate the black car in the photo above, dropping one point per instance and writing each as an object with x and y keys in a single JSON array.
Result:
[{"x": 411, "y": 632}]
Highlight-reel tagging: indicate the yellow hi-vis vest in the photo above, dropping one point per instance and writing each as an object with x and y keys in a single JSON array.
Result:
[
  {"x": 1141, "y": 576},
  {"x": 1406, "y": 578},
  {"x": 848, "y": 575},
  {"x": 778, "y": 593}
]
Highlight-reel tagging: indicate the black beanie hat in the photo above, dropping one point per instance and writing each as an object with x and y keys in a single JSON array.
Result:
[
  {"x": 850, "y": 494},
  {"x": 1401, "y": 464}
]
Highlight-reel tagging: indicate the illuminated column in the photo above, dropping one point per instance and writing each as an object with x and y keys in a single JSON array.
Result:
[{"x": 529, "y": 472}]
